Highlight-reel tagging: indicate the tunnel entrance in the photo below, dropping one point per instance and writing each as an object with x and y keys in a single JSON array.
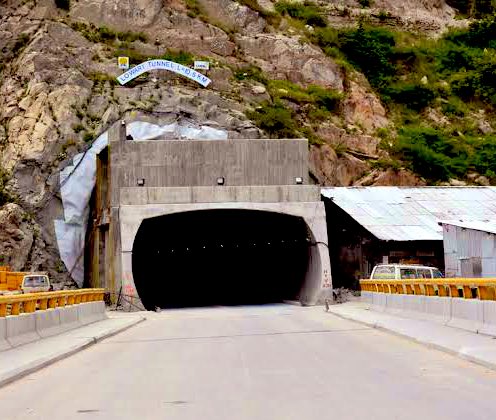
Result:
[{"x": 220, "y": 257}]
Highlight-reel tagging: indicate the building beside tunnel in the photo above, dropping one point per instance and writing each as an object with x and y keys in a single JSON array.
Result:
[
  {"x": 374, "y": 225},
  {"x": 469, "y": 248},
  {"x": 206, "y": 222}
]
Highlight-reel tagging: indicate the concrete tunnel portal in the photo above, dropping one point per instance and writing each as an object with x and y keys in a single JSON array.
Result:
[{"x": 220, "y": 257}]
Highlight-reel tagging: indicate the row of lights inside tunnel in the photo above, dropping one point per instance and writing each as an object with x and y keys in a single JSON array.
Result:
[
  {"x": 220, "y": 181},
  {"x": 253, "y": 244}
]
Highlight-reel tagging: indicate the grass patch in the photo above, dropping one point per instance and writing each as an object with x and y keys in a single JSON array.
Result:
[
  {"x": 307, "y": 12},
  {"x": 5, "y": 195},
  {"x": 179, "y": 56},
  {"x": 275, "y": 119},
  {"x": 106, "y": 35},
  {"x": 102, "y": 78},
  {"x": 195, "y": 9},
  {"x": 250, "y": 73}
]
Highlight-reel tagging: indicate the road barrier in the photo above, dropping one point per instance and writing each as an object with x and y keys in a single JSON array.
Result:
[
  {"x": 30, "y": 302},
  {"x": 28, "y": 317},
  {"x": 469, "y": 304}
]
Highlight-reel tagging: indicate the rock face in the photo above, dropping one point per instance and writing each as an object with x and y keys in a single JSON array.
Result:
[
  {"x": 17, "y": 237},
  {"x": 58, "y": 92},
  {"x": 363, "y": 108},
  {"x": 288, "y": 58},
  {"x": 425, "y": 15}
]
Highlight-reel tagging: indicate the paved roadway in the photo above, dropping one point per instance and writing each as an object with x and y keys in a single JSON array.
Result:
[{"x": 271, "y": 362}]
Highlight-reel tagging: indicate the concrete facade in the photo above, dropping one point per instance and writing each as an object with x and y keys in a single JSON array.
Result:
[{"x": 155, "y": 178}]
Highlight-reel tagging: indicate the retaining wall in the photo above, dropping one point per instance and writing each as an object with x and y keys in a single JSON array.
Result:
[
  {"x": 16, "y": 330},
  {"x": 469, "y": 314}
]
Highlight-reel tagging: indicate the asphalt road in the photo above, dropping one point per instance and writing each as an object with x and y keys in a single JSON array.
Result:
[{"x": 269, "y": 362}]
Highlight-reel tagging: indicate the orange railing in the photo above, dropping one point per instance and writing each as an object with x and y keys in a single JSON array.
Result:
[
  {"x": 30, "y": 302},
  {"x": 468, "y": 288}
]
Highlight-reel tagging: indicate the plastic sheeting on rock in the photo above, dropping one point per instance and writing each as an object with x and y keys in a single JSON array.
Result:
[{"x": 78, "y": 180}]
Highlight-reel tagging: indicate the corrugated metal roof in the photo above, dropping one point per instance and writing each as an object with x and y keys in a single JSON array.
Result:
[
  {"x": 413, "y": 213},
  {"x": 488, "y": 226}
]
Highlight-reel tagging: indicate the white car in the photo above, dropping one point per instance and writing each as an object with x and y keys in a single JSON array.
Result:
[{"x": 404, "y": 272}]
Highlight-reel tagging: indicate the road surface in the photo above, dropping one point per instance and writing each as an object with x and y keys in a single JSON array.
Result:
[{"x": 262, "y": 362}]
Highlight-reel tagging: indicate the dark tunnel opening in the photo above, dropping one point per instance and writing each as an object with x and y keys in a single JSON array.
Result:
[{"x": 220, "y": 257}]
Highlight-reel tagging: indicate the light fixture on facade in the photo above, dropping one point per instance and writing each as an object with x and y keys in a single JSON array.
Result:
[
  {"x": 220, "y": 180},
  {"x": 299, "y": 180},
  {"x": 140, "y": 182}
]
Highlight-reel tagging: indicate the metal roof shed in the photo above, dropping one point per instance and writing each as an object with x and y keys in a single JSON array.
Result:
[{"x": 370, "y": 225}]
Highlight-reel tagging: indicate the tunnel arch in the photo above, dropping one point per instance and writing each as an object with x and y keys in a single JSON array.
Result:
[{"x": 222, "y": 257}]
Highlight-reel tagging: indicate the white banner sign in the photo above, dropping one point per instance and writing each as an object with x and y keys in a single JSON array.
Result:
[
  {"x": 163, "y": 65},
  {"x": 202, "y": 65}
]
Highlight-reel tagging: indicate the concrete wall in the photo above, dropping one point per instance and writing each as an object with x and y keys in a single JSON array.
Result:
[
  {"x": 225, "y": 194},
  {"x": 473, "y": 315},
  {"x": 186, "y": 163},
  {"x": 21, "y": 329}
]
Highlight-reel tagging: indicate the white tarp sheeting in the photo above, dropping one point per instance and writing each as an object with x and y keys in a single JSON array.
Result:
[{"x": 78, "y": 180}]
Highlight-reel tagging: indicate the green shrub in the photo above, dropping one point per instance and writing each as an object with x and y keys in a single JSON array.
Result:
[
  {"x": 63, "y": 4},
  {"x": 326, "y": 37},
  {"x": 413, "y": 95},
  {"x": 78, "y": 127},
  {"x": 132, "y": 36},
  {"x": 453, "y": 58},
  {"x": 88, "y": 137},
  {"x": 327, "y": 99},
  {"x": 282, "y": 89},
  {"x": 480, "y": 34},
  {"x": 194, "y": 7},
  {"x": 250, "y": 73},
  {"x": 432, "y": 153},
  {"x": 484, "y": 160},
  {"x": 275, "y": 119},
  {"x": 371, "y": 51},
  {"x": 454, "y": 107},
  {"x": 104, "y": 34},
  {"x": 5, "y": 195},
  {"x": 101, "y": 78},
  {"x": 307, "y": 12},
  {"x": 178, "y": 56}
]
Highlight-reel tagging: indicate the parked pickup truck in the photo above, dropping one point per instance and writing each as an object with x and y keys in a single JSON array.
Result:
[
  {"x": 404, "y": 272},
  {"x": 14, "y": 282}
]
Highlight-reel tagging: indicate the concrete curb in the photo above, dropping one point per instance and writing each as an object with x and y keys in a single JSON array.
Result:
[
  {"x": 78, "y": 344},
  {"x": 424, "y": 342}
]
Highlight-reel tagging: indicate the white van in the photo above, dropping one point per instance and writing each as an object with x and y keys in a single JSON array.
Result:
[{"x": 404, "y": 272}]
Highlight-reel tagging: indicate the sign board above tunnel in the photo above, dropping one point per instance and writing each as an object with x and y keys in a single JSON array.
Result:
[{"x": 163, "y": 65}]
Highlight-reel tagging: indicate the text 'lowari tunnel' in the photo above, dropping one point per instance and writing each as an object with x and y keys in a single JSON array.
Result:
[{"x": 220, "y": 257}]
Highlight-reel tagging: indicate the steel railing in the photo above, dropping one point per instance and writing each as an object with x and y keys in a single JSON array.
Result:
[
  {"x": 31, "y": 302},
  {"x": 468, "y": 288}
]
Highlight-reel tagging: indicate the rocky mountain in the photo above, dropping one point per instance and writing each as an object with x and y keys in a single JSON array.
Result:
[{"x": 278, "y": 69}]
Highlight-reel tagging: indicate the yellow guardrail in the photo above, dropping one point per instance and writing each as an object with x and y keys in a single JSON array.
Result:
[
  {"x": 468, "y": 288},
  {"x": 30, "y": 302}
]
